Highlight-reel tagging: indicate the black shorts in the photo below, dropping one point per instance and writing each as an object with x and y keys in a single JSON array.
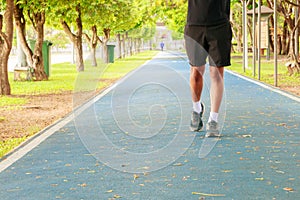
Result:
[{"x": 213, "y": 42}]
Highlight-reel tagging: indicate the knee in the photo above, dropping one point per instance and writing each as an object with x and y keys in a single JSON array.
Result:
[
  {"x": 196, "y": 74},
  {"x": 216, "y": 74}
]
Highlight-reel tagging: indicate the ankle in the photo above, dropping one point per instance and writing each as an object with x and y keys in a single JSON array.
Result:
[{"x": 213, "y": 116}]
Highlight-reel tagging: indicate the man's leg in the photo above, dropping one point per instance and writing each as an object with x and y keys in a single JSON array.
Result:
[
  {"x": 196, "y": 82},
  {"x": 216, "y": 95},
  {"x": 196, "y": 85},
  {"x": 217, "y": 87}
]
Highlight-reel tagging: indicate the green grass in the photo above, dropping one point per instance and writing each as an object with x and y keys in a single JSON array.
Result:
[
  {"x": 12, "y": 101},
  {"x": 267, "y": 71},
  {"x": 65, "y": 78},
  {"x": 8, "y": 145},
  {"x": 123, "y": 66}
]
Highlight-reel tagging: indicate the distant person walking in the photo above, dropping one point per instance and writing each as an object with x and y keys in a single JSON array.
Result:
[
  {"x": 207, "y": 35},
  {"x": 162, "y": 44}
]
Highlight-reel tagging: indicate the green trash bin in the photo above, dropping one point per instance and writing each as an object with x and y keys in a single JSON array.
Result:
[
  {"x": 111, "y": 53},
  {"x": 46, "y": 54}
]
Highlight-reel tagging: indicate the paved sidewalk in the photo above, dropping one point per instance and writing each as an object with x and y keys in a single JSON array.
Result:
[{"x": 133, "y": 142}]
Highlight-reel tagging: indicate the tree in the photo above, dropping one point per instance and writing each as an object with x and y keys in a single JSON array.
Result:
[
  {"x": 93, "y": 41},
  {"x": 68, "y": 14},
  {"x": 175, "y": 12},
  {"x": 6, "y": 37},
  {"x": 36, "y": 14},
  {"x": 294, "y": 66},
  {"x": 145, "y": 32},
  {"x": 140, "y": 24},
  {"x": 286, "y": 9},
  {"x": 236, "y": 21},
  {"x": 125, "y": 16},
  {"x": 97, "y": 14}
]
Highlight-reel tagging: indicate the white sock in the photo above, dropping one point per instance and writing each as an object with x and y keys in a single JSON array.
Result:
[
  {"x": 213, "y": 116},
  {"x": 197, "y": 107}
]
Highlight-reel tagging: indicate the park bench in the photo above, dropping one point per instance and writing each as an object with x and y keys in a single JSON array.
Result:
[{"x": 18, "y": 71}]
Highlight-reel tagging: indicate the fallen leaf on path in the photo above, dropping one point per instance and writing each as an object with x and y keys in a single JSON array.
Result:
[
  {"x": 117, "y": 196},
  {"x": 288, "y": 189},
  {"x": 177, "y": 164},
  {"x": 146, "y": 167},
  {"x": 135, "y": 176},
  {"x": 242, "y": 158},
  {"x": 247, "y": 136},
  {"x": 227, "y": 171},
  {"x": 259, "y": 179},
  {"x": 281, "y": 124},
  {"x": 209, "y": 195},
  {"x": 83, "y": 185}
]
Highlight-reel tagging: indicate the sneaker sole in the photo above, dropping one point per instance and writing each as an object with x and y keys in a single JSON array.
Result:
[
  {"x": 196, "y": 130},
  {"x": 212, "y": 134}
]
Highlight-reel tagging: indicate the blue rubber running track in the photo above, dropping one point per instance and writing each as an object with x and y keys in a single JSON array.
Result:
[{"x": 133, "y": 142}]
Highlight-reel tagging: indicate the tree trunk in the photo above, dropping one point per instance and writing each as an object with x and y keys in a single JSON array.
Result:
[
  {"x": 77, "y": 42},
  {"x": 140, "y": 42},
  {"x": 294, "y": 65},
  {"x": 76, "y": 39},
  {"x": 271, "y": 37},
  {"x": 106, "y": 37},
  {"x": 124, "y": 46},
  {"x": 35, "y": 58},
  {"x": 79, "y": 54},
  {"x": 93, "y": 41},
  {"x": 285, "y": 38},
  {"x": 119, "y": 45},
  {"x": 5, "y": 46},
  {"x": 130, "y": 46},
  {"x": 21, "y": 56},
  {"x": 21, "y": 27},
  {"x": 105, "y": 52},
  {"x": 38, "y": 61},
  {"x": 127, "y": 44},
  {"x": 150, "y": 44},
  {"x": 238, "y": 36},
  {"x": 279, "y": 48},
  {"x": 134, "y": 45},
  {"x": 93, "y": 56}
]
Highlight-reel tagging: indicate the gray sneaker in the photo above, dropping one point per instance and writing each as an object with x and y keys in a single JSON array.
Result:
[
  {"x": 212, "y": 129},
  {"x": 196, "y": 120}
]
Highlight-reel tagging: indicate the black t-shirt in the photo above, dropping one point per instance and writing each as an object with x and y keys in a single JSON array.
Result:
[{"x": 208, "y": 12}]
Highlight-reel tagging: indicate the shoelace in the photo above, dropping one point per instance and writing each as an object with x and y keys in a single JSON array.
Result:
[
  {"x": 213, "y": 125},
  {"x": 195, "y": 117}
]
